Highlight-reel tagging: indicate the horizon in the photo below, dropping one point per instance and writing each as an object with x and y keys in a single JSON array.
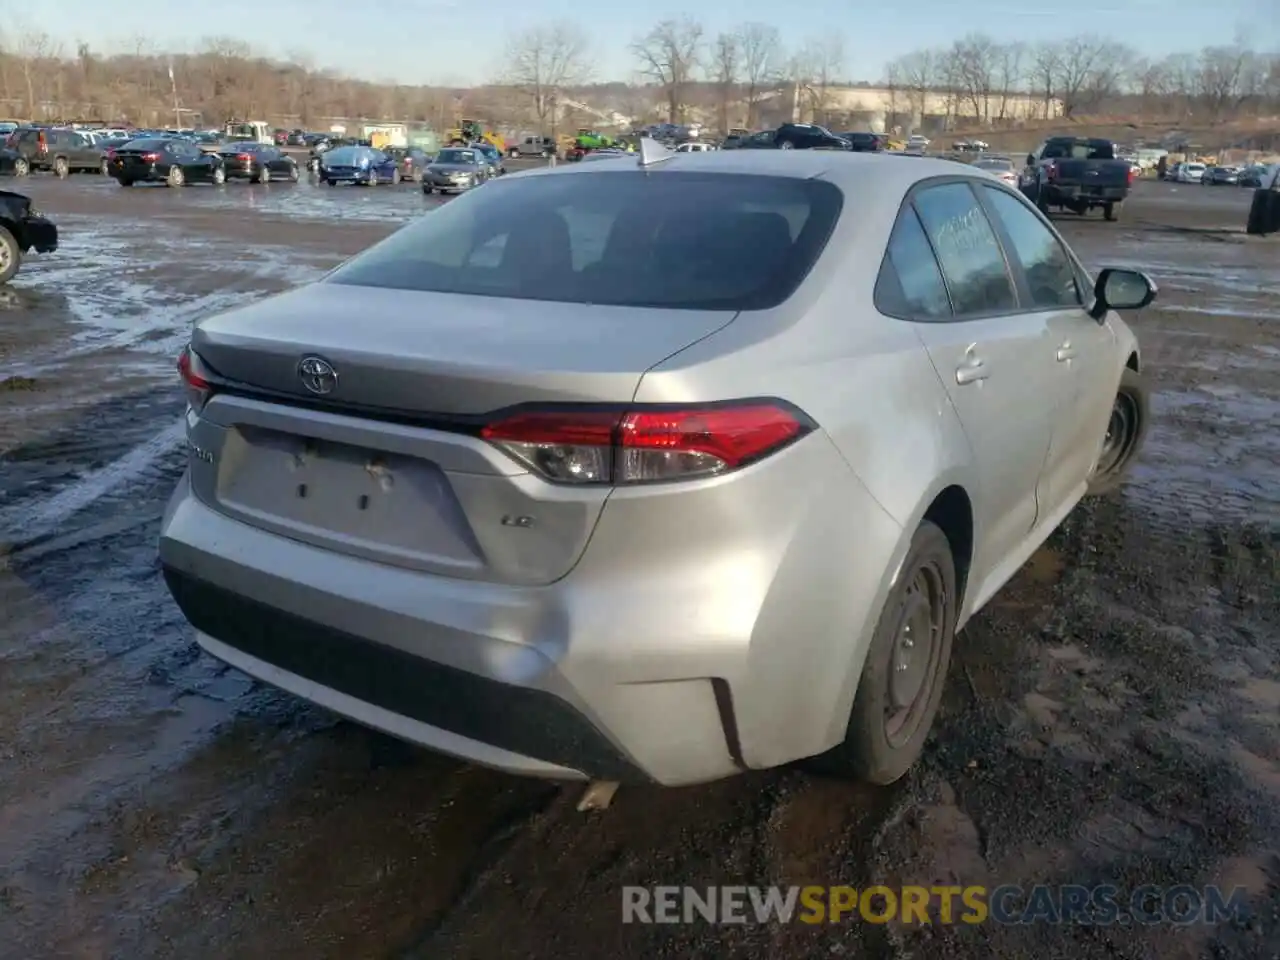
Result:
[{"x": 446, "y": 56}]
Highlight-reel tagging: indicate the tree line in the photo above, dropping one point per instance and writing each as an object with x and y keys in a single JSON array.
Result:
[{"x": 680, "y": 70}]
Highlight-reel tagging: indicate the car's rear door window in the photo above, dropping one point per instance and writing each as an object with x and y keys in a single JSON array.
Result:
[
  {"x": 969, "y": 253},
  {"x": 910, "y": 285},
  {"x": 627, "y": 238}
]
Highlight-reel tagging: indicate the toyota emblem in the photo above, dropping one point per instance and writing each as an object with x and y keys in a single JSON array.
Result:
[{"x": 317, "y": 375}]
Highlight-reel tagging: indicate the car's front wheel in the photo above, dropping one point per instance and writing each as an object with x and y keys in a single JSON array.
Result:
[
  {"x": 1126, "y": 429},
  {"x": 906, "y": 666},
  {"x": 10, "y": 256}
]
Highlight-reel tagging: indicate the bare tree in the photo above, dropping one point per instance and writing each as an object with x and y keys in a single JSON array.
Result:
[
  {"x": 1046, "y": 66},
  {"x": 726, "y": 63},
  {"x": 762, "y": 64},
  {"x": 973, "y": 61},
  {"x": 34, "y": 48},
  {"x": 919, "y": 73},
  {"x": 1220, "y": 80},
  {"x": 893, "y": 89},
  {"x": 820, "y": 62},
  {"x": 1088, "y": 68},
  {"x": 668, "y": 56},
  {"x": 541, "y": 62},
  {"x": 1010, "y": 75}
]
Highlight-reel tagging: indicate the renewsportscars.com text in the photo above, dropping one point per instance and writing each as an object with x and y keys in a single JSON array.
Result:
[{"x": 1049, "y": 904}]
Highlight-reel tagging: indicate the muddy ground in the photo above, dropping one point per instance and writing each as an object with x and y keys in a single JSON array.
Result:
[{"x": 1112, "y": 716}]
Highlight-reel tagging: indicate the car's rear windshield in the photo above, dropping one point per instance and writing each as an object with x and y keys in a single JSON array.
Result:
[
  {"x": 1080, "y": 150},
  {"x": 457, "y": 156},
  {"x": 146, "y": 144},
  {"x": 696, "y": 241}
]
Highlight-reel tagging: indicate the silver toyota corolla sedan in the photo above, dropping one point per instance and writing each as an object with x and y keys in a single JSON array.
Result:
[{"x": 659, "y": 469}]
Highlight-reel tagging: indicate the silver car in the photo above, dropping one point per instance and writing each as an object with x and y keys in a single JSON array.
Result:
[
  {"x": 455, "y": 169},
  {"x": 652, "y": 472}
]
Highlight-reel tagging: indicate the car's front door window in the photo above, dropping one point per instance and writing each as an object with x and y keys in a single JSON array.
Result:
[{"x": 1050, "y": 273}]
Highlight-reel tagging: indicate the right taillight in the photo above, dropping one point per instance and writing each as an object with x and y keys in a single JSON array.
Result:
[
  {"x": 629, "y": 445},
  {"x": 195, "y": 378}
]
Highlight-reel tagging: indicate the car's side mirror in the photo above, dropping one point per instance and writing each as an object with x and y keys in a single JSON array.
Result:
[{"x": 1118, "y": 289}]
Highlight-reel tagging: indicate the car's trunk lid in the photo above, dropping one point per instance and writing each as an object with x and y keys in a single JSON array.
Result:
[
  {"x": 374, "y": 468},
  {"x": 437, "y": 353}
]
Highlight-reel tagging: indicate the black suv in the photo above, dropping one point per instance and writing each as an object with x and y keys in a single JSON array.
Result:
[
  {"x": 864, "y": 142},
  {"x": 795, "y": 136},
  {"x": 49, "y": 148}
]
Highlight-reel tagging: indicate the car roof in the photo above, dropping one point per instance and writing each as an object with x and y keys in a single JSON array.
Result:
[{"x": 845, "y": 169}]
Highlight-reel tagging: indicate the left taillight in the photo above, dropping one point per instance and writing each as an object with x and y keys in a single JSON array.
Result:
[
  {"x": 195, "y": 378},
  {"x": 634, "y": 445}
]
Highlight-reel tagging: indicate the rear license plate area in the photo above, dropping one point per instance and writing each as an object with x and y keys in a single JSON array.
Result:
[{"x": 343, "y": 494}]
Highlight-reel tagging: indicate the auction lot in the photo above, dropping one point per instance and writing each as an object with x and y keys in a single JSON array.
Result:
[{"x": 1113, "y": 716}]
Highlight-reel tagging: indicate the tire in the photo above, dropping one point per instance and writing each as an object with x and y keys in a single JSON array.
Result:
[
  {"x": 61, "y": 169},
  {"x": 1111, "y": 211},
  {"x": 124, "y": 181},
  {"x": 332, "y": 183},
  {"x": 105, "y": 167},
  {"x": 264, "y": 175},
  {"x": 177, "y": 177},
  {"x": 10, "y": 256},
  {"x": 219, "y": 176},
  {"x": 21, "y": 167},
  {"x": 293, "y": 174},
  {"x": 786, "y": 145},
  {"x": 395, "y": 177},
  {"x": 373, "y": 180},
  {"x": 427, "y": 191},
  {"x": 1126, "y": 430},
  {"x": 923, "y": 600},
  {"x": 1042, "y": 203}
]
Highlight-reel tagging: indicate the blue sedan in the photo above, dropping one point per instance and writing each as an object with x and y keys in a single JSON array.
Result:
[{"x": 363, "y": 165}]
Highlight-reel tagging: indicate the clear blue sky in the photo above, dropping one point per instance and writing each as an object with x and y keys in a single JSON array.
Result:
[{"x": 459, "y": 41}]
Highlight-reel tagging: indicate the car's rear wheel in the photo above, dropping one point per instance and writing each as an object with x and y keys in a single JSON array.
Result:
[
  {"x": 124, "y": 181},
  {"x": 21, "y": 167},
  {"x": 786, "y": 145},
  {"x": 105, "y": 167},
  {"x": 264, "y": 175},
  {"x": 1111, "y": 211},
  {"x": 906, "y": 666},
  {"x": 10, "y": 256},
  {"x": 1126, "y": 429},
  {"x": 176, "y": 177},
  {"x": 395, "y": 177},
  {"x": 293, "y": 173}
]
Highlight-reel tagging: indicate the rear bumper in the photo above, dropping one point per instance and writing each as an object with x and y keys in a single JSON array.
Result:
[
  {"x": 1077, "y": 193},
  {"x": 436, "y": 704},
  {"x": 40, "y": 235},
  {"x": 691, "y": 642}
]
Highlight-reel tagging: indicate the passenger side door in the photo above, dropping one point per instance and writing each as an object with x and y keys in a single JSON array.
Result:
[
  {"x": 1082, "y": 384},
  {"x": 993, "y": 359}
]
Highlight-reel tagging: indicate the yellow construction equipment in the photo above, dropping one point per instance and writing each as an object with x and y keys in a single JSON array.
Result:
[{"x": 471, "y": 131}]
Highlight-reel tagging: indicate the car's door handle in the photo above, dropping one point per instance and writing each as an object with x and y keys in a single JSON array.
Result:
[
  {"x": 971, "y": 372},
  {"x": 1066, "y": 352}
]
